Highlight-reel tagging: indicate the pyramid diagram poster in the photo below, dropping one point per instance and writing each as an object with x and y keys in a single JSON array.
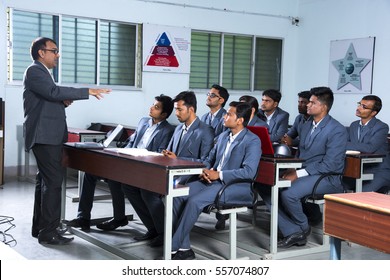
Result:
[{"x": 166, "y": 49}]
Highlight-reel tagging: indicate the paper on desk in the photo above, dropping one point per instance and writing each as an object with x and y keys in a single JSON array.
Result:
[
  {"x": 351, "y": 152},
  {"x": 135, "y": 152}
]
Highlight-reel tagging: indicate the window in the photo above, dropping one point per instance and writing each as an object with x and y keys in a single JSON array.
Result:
[
  {"x": 237, "y": 62},
  {"x": 92, "y": 51}
]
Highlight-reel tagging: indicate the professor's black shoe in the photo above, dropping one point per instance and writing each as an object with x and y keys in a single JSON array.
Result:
[{"x": 53, "y": 239}]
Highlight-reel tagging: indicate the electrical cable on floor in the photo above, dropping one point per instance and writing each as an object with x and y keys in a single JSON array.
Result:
[{"x": 6, "y": 237}]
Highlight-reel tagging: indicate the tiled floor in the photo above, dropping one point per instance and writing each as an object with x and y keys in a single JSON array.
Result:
[{"x": 16, "y": 200}]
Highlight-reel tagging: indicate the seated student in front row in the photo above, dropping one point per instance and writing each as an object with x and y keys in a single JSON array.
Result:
[
  {"x": 322, "y": 146},
  {"x": 194, "y": 145},
  {"x": 369, "y": 135},
  {"x": 254, "y": 120},
  {"x": 236, "y": 155},
  {"x": 152, "y": 133}
]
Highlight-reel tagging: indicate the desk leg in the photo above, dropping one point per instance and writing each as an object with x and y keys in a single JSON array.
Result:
[
  {"x": 63, "y": 194},
  {"x": 359, "y": 185},
  {"x": 274, "y": 219},
  {"x": 168, "y": 226},
  {"x": 335, "y": 248}
]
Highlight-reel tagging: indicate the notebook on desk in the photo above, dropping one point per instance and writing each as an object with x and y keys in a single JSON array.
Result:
[{"x": 105, "y": 144}]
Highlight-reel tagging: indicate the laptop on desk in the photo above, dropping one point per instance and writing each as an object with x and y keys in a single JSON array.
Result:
[
  {"x": 105, "y": 144},
  {"x": 267, "y": 147}
]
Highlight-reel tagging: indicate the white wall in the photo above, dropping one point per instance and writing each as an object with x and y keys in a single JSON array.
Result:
[
  {"x": 128, "y": 107},
  {"x": 325, "y": 21},
  {"x": 305, "y": 53}
]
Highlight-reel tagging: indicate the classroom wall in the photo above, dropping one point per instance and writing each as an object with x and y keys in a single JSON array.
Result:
[
  {"x": 324, "y": 21},
  {"x": 127, "y": 107},
  {"x": 305, "y": 53}
]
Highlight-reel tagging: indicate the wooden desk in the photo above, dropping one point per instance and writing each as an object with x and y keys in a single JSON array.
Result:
[
  {"x": 362, "y": 218},
  {"x": 153, "y": 173},
  {"x": 84, "y": 135},
  {"x": 354, "y": 167},
  {"x": 269, "y": 174}
]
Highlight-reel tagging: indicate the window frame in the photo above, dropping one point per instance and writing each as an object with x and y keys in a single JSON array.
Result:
[
  {"x": 137, "y": 53},
  {"x": 253, "y": 60}
]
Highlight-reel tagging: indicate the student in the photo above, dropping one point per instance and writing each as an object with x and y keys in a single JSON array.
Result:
[
  {"x": 236, "y": 155},
  {"x": 322, "y": 146},
  {"x": 45, "y": 131},
  {"x": 216, "y": 100},
  {"x": 194, "y": 139},
  {"x": 369, "y": 135},
  {"x": 254, "y": 120},
  {"x": 276, "y": 118},
  {"x": 153, "y": 133},
  {"x": 291, "y": 137}
]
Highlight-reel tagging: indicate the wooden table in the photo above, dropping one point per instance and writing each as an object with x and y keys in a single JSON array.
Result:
[
  {"x": 354, "y": 167},
  {"x": 269, "y": 174},
  {"x": 362, "y": 218},
  {"x": 153, "y": 173}
]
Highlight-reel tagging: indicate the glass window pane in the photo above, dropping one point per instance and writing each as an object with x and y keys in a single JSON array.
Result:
[
  {"x": 237, "y": 58},
  {"x": 117, "y": 54},
  {"x": 268, "y": 63},
  {"x": 78, "y": 50},
  {"x": 26, "y": 27},
  {"x": 205, "y": 59}
]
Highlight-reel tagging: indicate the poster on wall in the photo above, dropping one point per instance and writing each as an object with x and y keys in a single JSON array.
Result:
[
  {"x": 166, "y": 49},
  {"x": 351, "y": 65}
]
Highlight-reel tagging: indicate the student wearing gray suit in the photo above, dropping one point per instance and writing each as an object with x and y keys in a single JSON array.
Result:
[
  {"x": 254, "y": 120},
  {"x": 235, "y": 156},
  {"x": 369, "y": 135},
  {"x": 45, "y": 131},
  {"x": 291, "y": 137},
  {"x": 194, "y": 139},
  {"x": 216, "y": 100},
  {"x": 153, "y": 133},
  {"x": 322, "y": 146},
  {"x": 276, "y": 118}
]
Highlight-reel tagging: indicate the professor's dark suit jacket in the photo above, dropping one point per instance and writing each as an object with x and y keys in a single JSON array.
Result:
[{"x": 44, "y": 111}]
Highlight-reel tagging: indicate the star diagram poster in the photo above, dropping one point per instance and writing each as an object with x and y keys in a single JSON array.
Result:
[
  {"x": 166, "y": 49},
  {"x": 351, "y": 65}
]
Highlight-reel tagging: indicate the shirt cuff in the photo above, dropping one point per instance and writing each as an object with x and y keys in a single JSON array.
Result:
[
  {"x": 302, "y": 173},
  {"x": 220, "y": 175}
]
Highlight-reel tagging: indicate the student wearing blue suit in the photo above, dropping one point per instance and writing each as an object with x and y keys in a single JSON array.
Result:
[
  {"x": 45, "y": 131},
  {"x": 153, "y": 133},
  {"x": 322, "y": 146},
  {"x": 369, "y": 135},
  {"x": 216, "y": 100},
  {"x": 276, "y": 118},
  {"x": 236, "y": 155}
]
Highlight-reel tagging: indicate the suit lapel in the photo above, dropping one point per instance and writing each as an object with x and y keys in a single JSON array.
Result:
[{"x": 140, "y": 134}]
